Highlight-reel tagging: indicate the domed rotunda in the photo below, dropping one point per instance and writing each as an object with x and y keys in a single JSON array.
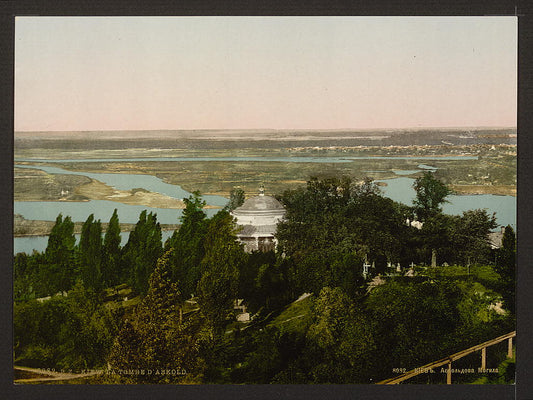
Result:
[{"x": 257, "y": 221}]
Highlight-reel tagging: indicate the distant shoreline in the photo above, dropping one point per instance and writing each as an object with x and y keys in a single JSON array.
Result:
[{"x": 244, "y": 134}]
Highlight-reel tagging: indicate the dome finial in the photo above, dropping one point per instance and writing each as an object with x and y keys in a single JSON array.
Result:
[{"x": 261, "y": 190}]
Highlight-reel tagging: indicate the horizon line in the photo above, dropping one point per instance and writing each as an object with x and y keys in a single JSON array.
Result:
[{"x": 275, "y": 129}]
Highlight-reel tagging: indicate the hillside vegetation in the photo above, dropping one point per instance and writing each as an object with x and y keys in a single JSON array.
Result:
[{"x": 154, "y": 312}]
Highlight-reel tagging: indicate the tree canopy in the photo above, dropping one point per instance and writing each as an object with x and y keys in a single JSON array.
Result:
[
  {"x": 59, "y": 268},
  {"x": 155, "y": 338},
  {"x": 345, "y": 329},
  {"x": 506, "y": 267},
  {"x": 187, "y": 244},
  {"x": 90, "y": 254},
  {"x": 217, "y": 288},
  {"x": 431, "y": 193},
  {"x": 111, "y": 273},
  {"x": 142, "y": 250},
  {"x": 332, "y": 226}
]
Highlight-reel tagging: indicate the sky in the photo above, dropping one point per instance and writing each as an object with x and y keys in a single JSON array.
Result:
[{"x": 142, "y": 73}]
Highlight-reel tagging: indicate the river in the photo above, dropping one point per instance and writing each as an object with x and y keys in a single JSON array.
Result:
[
  {"x": 131, "y": 181},
  {"x": 401, "y": 190},
  {"x": 29, "y": 243}
]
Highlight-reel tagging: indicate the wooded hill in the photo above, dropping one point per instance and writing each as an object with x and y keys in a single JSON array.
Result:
[{"x": 345, "y": 331}]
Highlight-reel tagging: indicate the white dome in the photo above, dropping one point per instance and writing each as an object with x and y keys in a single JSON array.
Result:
[
  {"x": 259, "y": 210},
  {"x": 257, "y": 219}
]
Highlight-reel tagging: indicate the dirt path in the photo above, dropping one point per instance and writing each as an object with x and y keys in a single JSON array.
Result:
[{"x": 50, "y": 375}]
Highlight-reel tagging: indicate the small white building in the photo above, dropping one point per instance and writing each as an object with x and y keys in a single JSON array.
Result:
[{"x": 257, "y": 220}]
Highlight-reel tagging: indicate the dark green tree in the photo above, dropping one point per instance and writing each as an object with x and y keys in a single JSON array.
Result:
[
  {"x": 377, "y": 223},
  {"x": 89, "y": 254},
  {"x": 315, "y": 230},
  {"x": 430, "y": 194},
  {"x": 142, "y": 250},
  {"x": 247, "y": 278},
  {"x": 327, "y": 341},
  {"x": 187, "y": 245},
  {"x": 271, "y": 353},
  {"x": 347, "y": 272},
  {"x": 111, "y": 274},
  {"x": 331, "y": 309},
  {"x": 87, "y": 334},
  {"x": 36, "y": 327},
  {"x": 58, "y": 271},
  {"x": 331, "y": 222},
  {"x": 417, "y": 323},
  {"x": 272, "y": 286},
  {"x": 435, "y": 242},
  {"x": 506, "y": 268},
  {"x": 469, "y": 236},
  {"x": 217, "y": 288},
  {"x": 68, "y": 332},
  {"x": 126, "y": 350},
  {"x": 155, "y": 338},
  {"x": 37, "y": 272},
  {"x": 23, "y": 277}
]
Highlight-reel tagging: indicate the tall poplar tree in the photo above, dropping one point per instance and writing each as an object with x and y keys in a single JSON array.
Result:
[
  {"x": 224, "y": 257},
  {"x": 90, "y": 254},
  {"x": 59, "y": 270},
  {"x": 141, "y": 252},
  {"x": 156, "y": 338},
  {"x": 188, "y": 245},
  {"x": 111, "y": 273}
]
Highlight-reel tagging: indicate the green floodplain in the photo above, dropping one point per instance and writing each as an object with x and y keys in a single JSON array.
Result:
[{"x": 493, "y": 172}]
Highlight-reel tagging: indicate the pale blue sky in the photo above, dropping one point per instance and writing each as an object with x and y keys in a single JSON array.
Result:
[{"x": 109, "y": 73}]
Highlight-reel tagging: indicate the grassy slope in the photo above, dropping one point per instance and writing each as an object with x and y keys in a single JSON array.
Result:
[{"x": 296, "y": 317}]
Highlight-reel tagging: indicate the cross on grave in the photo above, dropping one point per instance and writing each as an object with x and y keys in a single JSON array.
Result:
[{"x": 365, "y": 269}]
